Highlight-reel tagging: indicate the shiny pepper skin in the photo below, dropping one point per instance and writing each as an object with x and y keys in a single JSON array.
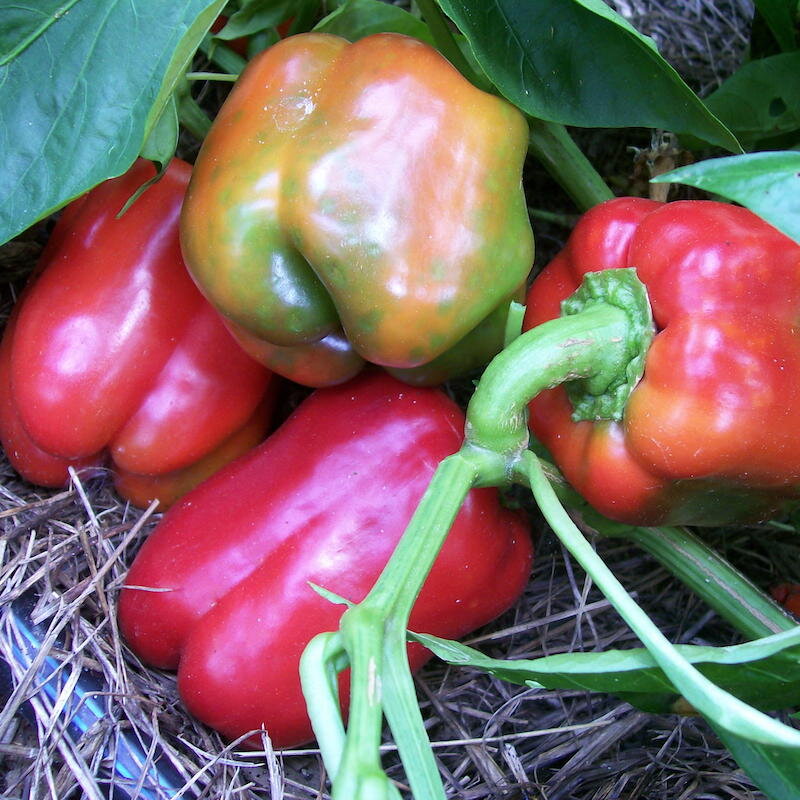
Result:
[
  {"x": 711, "y": 434},
  {"x": 324, "y": 500},
  {"x": 113, "y": 356},
  {"x": 360, "y": 202}
]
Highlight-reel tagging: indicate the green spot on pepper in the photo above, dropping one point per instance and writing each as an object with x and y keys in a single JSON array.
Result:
[
  {"x": 290, "y": 187},
  {"x": 370, "y": 321}
]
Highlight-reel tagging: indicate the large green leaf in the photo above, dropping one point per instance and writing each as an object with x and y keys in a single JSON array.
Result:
[
  {"x": 766, "y": 183},
  {"x": 577, "y": 62},
  {"x": 765, "y": 673},
  {"x": 761, "y": 99},
  {"x": 23, "y": 23},
  {"x": 77, "y": 103}
]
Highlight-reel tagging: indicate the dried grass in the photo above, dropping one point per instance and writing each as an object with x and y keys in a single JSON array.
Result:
[{"x": 491, "y": 739}]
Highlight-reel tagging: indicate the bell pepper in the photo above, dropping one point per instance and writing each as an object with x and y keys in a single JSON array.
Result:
[
  {"x": 112, "y": 354},
  {"x": 360, "y": 202},
  {"x": 788, "y": 595},
  {"x": 711, "y": 433},
  {"x": 223, "y": 588}
]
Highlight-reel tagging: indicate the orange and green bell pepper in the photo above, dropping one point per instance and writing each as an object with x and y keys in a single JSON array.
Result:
[{"x": 360, "y": 202}]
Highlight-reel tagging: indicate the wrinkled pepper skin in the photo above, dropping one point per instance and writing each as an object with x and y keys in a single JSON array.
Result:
[
  {"x": 113, "y": 355},
  {"x": 711, "y": 434},
  {"x": 361, "y": 200},
  {"x": 324, "y": 500}
]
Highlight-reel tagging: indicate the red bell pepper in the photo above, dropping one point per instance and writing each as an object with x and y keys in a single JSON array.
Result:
[
  {"x": 112, "y": 351},
  {"x": 324, "y": 500},
  {"x": 711, "y": 434},
  {"x": 788, "y": 595}
]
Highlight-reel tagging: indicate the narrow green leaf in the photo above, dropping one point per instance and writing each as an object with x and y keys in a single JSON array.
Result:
[
  {"x": 163, "y": 139},
  {"x": 765, "y": 673},
  {"x": 356, "y": 19},
  {"x": 182, "y": 54},
  {"x": 159, "y": 148},
  {"x": 766, "y": 183},
  {"x": 77, "y": 105},
  {"x": 577, "y": 62},
  {"x": 23, "y": 23},
  {"x": 330, "y": 596},
  {"x": 775, "y": 770},
  {"x": 761, "y": 99},
  {"x": 780, "y": 16}
]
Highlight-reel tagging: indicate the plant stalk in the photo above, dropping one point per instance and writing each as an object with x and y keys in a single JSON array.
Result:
[
  {"x": 733, "y": 596},
  {"x": 552, "y": 145}
]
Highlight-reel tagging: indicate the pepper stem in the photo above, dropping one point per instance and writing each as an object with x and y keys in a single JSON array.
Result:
[
  {"x": 598, "y": 348},
  {"x": 372, "y": 634},
  {"x": 552, "y": 145},
  {"x": 597, "y": 343}
]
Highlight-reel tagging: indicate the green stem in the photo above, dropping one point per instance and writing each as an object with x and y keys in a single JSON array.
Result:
[
  {"x": 374, "y": 635},
  {"x": 192, "y": 117},
  {"x": 733, "y": 596},
  {"x": 564, "y": 220},
  {"x": 445, "y": 41},
  {"x": 360, "y": 775},
  {"x": 423, "y": 538},
  {"x": 552, "y": 145},
  {"x": 225, "y": 58},
  {"x": 514, "y": 322},
  {"x": 597, "y": 348},
  {"x": 212, "y": 76},
  {"x": 720, "y": 707},
  {"x": 322, "y": 658},
  {"x": 578, "y": 346}
]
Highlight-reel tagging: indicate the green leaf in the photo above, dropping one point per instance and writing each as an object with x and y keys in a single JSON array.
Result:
[
  {"x": 330, "y": 596},
  {"x": 780, "y": 18},
  {"x": 23, "y": 24},
  {"x": 775, "y": 770},
  {"x": 765, "y": 673},
  {"x": 577, "y": 62},
  {"x": 766, "y": 183},
  {"x": 163, "y": 139},
  {"x": 159, "y": 148},
  {"x": 78, "y": 103},
  {"x": 356, "y": 19},
  {"x": 761, "y": 99},
  {"x": 255, "y": 16}
]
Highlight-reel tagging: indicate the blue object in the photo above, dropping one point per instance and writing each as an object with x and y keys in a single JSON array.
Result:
[{"x": 131, "y": 775}]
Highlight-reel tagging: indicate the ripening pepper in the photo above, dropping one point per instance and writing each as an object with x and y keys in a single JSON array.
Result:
[
  {"x": 112, "y": 354},
  {"x": 711, "y": 433},
  {"x": 360, "y": 202},
  {"x": 323, "y": 500}
]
